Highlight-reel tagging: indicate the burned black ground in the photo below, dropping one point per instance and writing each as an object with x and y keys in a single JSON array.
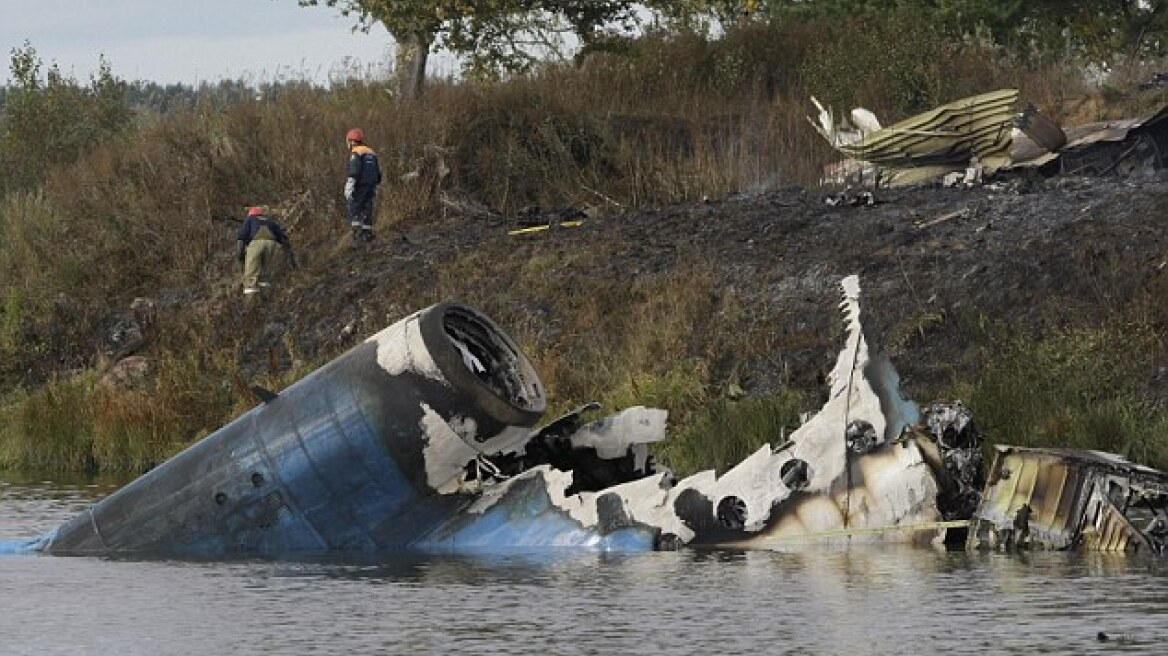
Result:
[{"x": 1029, "y": 255}]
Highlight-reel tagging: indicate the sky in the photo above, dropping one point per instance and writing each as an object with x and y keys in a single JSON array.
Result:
[{"x": 192, "y": 41}]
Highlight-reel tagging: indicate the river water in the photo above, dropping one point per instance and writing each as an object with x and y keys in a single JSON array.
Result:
[{"x": 854, "y": 602}]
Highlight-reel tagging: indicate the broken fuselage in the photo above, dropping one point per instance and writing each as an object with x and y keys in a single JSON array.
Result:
[{"x": 422, "y": 439}]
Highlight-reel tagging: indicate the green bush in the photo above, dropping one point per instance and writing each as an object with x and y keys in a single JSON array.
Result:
[
  {"x": 48, "y": 429},
  {"x": 50, "y": 121},
  {"x": 866, "y": 60},
  {"x": 1082, "y": 387},
  {"x": 721, "y": 432}
]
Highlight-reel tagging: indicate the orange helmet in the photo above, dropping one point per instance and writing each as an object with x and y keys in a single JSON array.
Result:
[{"x": 355, "y": 134}]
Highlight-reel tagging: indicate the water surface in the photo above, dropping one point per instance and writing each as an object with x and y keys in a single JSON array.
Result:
[{"x": 859, "y": 601}]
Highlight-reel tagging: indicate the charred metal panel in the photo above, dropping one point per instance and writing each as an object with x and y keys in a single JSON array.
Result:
[
  {"x": 1068, "y": 498},
  {"x": 1117, "y": 147}
]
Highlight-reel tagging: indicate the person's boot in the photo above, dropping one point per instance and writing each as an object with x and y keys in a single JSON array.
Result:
[{"x": 367, "y": 233}]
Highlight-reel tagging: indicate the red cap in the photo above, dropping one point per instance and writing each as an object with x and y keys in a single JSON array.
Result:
[{"x": 255, "y": 211}]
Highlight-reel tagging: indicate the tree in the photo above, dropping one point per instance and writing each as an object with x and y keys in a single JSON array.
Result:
[
  {"x": 1095, "y": 30},
  {"x": 1098, "y": 30},
  {"x": 51, "y": 119},
  {"x": 493, "y": 35}
]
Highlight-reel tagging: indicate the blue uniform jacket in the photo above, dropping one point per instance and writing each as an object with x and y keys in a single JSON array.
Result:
[
  {"x": 252, "y": 225},
  {"x": 365, "y": 171}
]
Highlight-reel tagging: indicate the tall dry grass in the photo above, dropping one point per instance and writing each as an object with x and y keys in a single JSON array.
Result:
[{"x": 664, "y": 119}]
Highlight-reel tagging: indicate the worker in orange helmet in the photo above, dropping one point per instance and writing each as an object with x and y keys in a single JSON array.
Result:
[{"x": 364, "y": 174}]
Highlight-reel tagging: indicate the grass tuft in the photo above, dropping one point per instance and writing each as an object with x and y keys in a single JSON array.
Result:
[{"x": 1083, "y": 387}]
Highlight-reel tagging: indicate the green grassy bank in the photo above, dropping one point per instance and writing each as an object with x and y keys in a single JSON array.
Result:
[{"x": 137, "y": 209}]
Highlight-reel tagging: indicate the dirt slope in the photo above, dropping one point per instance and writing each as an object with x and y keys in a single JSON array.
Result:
[{"x": 1034, "y": 253}]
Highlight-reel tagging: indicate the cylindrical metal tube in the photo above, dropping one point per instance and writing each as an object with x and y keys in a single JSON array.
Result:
[
  {"x": 1041, "y": 130},
  {"x": 359, "y": 455}
]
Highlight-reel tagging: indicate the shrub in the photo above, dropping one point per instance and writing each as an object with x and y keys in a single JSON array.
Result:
[
  {"x": 48, "y": 428},
  {"x": 722, "y": 432},
  {"x": 1083, "y": 387},
  {"x": 51, "y": 121}
]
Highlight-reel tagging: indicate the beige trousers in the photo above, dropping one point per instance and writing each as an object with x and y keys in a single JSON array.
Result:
[{"x": 257, "y": 262}]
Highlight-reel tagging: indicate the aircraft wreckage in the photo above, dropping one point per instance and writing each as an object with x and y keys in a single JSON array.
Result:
[
  {"x": 968, "y": 139},
  {"x": 422, "y": 438}
]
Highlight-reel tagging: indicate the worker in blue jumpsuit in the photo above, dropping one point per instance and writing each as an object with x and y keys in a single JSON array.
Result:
[{"x": 364, "y": 174}]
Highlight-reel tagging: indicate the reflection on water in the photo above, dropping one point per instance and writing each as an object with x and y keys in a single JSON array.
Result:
[
  {"x": 30, "y": 506},
  {"x": 862, "y": 601}
]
